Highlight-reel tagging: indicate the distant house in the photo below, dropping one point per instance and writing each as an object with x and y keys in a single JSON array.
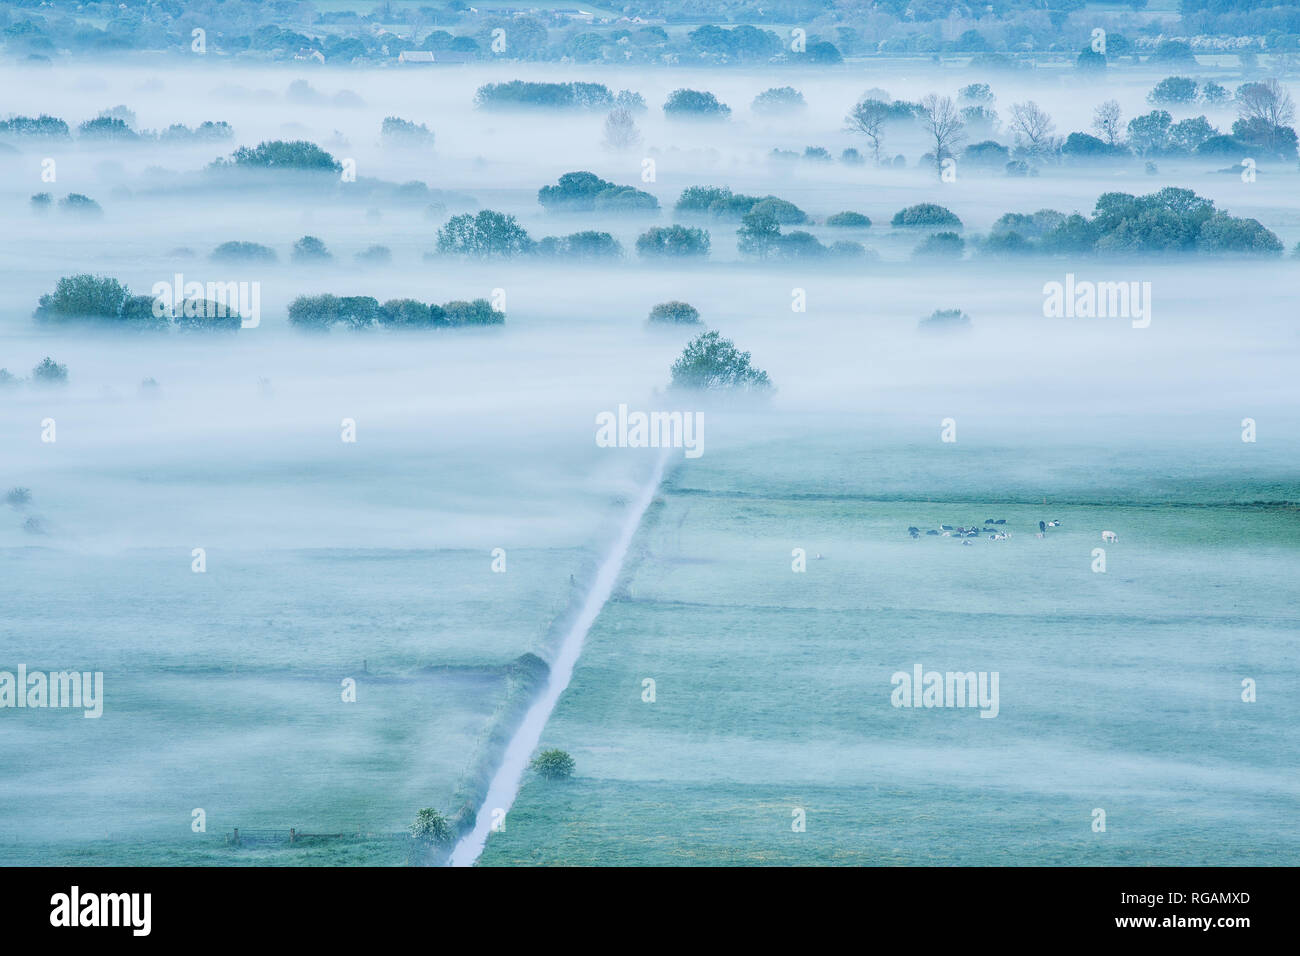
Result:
[
  {"x": 305, "y": 55},
  {"x": 415, "y": 56}
]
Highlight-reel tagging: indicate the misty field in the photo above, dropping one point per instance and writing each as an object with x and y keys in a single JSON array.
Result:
[
  {"x": 241, "y": 527},
  {"x": 1119, "y": 691}
]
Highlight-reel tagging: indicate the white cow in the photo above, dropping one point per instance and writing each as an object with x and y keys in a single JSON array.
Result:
[{"x": 1109, "y": 536}]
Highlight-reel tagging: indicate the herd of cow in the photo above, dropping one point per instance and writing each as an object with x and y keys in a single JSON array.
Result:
[{"x": 991, "y": 527}]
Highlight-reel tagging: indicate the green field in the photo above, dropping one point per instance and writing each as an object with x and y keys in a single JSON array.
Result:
[{"x": 1119, "y": 690}]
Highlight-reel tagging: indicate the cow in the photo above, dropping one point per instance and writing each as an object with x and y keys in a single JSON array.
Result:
[{"x": 1109, "y": 536}]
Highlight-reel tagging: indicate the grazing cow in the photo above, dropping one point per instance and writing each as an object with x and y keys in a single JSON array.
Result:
[
  {"x": 913, "y": 529},
  {"x": 1001, "y": 521},
  {"x": 1109, "y": 536},
  {"x": 945, "y": 527},
  {"x": 1054, "y": 524},
  {"x": 932, "y": 532}
]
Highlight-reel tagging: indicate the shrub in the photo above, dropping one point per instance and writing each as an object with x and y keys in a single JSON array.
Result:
[
  {"x": 945, "y": 320},
  {"x": 848, "y": 220},
  {"x": 18, "y": 497},
  {"x": 553, "y": 764},
  {"x": 926, "y": 214},
  {"x": 431, "y": 828}
]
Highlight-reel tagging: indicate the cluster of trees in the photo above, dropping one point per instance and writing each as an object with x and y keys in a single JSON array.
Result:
[
  {"x": 1262, "y": 130},
  {"x": 300, "y": 154},
  {"x": 73, "y": 203},
  {"x": 395, "y": 131},
  {"x": 46, "y": 372},
  {"x": 719, "y": 202},
  {"x": 115, "y": 125},
  {"x": 586, "y": 246},
  {"x": 521, "y": 94},
  {"x": 587, "y": 192},
  {"x": 695, "y": 104},
  {"x": 1172, "y": 220},
  {"x": 320, "y": 313},
  {"x": 760, "y": 236},
  {"x": 102, "y": 300}
]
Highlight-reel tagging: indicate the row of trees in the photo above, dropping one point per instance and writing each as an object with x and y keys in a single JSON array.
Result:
[
  {"x": 102, "y": 300},
  {"x": 111, "y": 126},
  {"x": 320, "y": 313},
  {"x": 1265, "y": 112}
]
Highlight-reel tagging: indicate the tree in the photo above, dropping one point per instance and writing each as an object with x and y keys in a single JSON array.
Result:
[
  {"x": 487, "y": 234},
  {"x": 1106, "y": 122},
  {"x": 553, "y": 764},
  {"x": 621, "y": 132},
  {"x": 926, "y": 214},
  {"x": 82, "y": 297},
  {"x": 943, "y": 123},
  {"x": 868, "y": 118},
  {"x": 1267, "y": 101},
  {"x": 759, "y": 233},
  {"x": 778, "y": 100},
  {"x": 395, "y": 131},
  {"x": 1173, "y": 89},
  {"x": 50, "y": 372},
  {"x": 1033, "y": 127},
  {"x": 310, "y": 249},
  {"x": 278, "y": 154},
  {"x": 673, "y": 242},
  {"x": 431, "y": 828},
  {"x": 684, "y": 102},
  {"x": 1149, "y": 134},
  {"x": 711, "y": 363},
  {"x": 674, "y": 313},
  {"x": 941, "y": 245}
]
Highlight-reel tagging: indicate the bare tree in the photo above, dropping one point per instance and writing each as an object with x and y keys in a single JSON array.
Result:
[
  {"x": 620, "y": 130},
  {"x": 1106, "y": 120},
  {"x": 1267, "y": 101},
  {"x": 1032, "y": 125},
  {"x": 943, "y": 122},
  {"x": 868, "y": 118}
]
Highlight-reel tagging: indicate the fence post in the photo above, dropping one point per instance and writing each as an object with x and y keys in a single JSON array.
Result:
[
  {"x": 236, "y": 840},
  {"x": 292, "y": 835}
]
